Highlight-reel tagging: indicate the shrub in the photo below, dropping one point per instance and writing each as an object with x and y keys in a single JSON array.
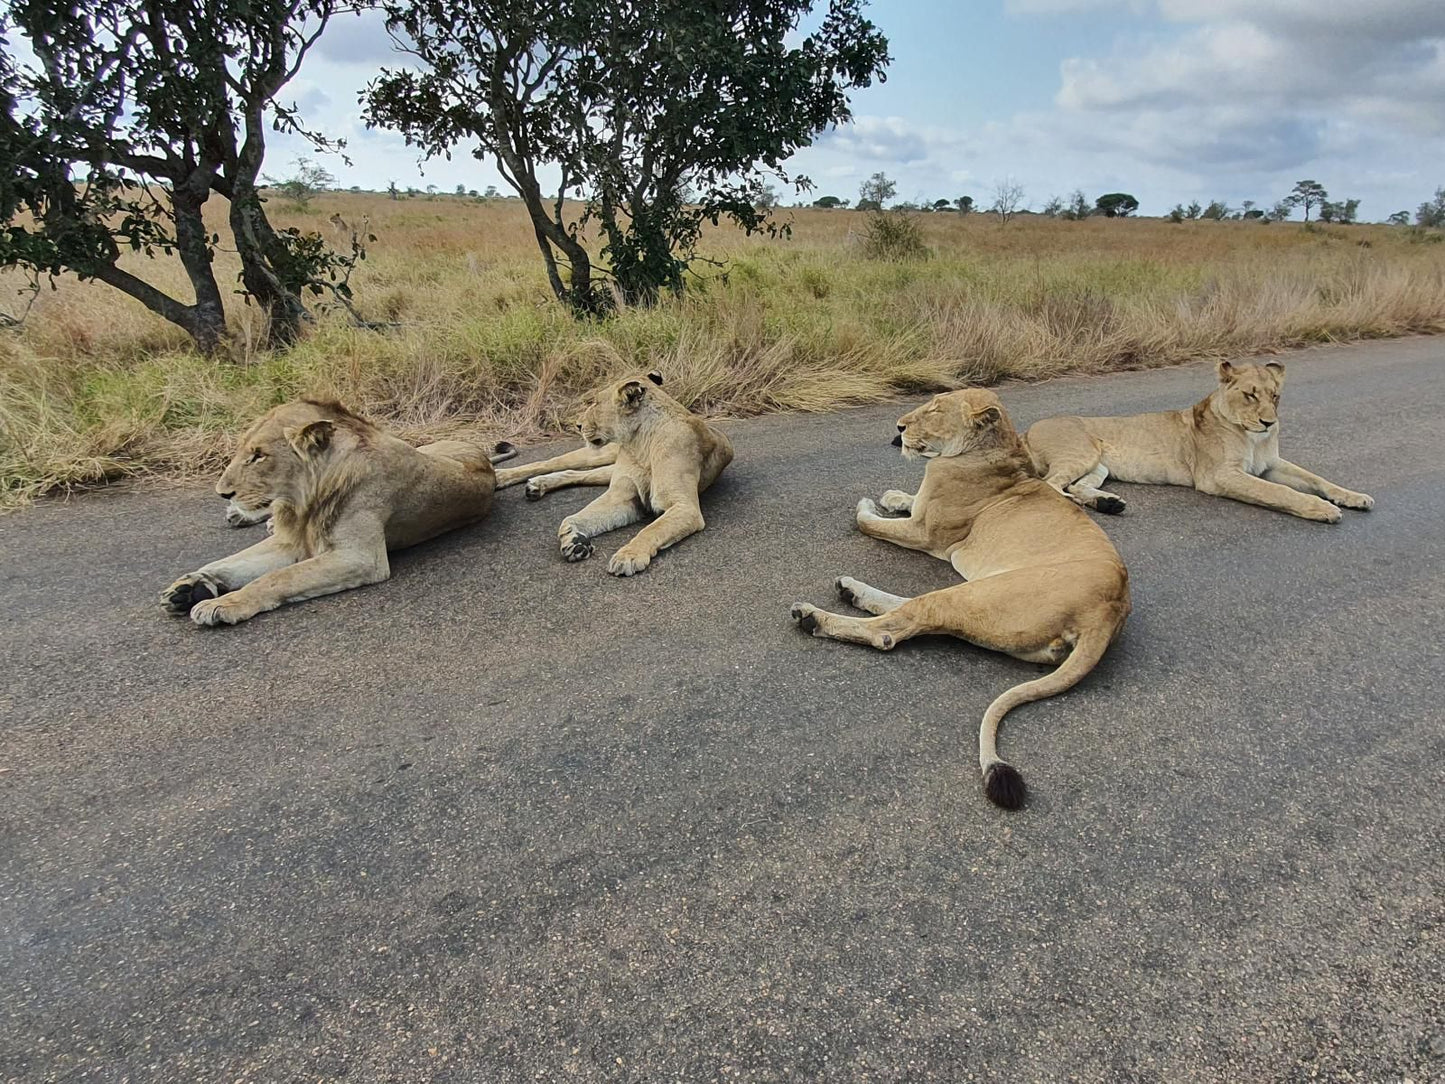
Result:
[{"x": 893, "y": 236}]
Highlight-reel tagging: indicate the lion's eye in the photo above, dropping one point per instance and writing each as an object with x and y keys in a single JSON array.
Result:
[
  {"x": 256, "y": 456},
  {"x": 1251, "y": 397}
]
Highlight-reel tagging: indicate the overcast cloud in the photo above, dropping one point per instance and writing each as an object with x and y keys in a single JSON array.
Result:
[{"x": 1181, "y": 100}]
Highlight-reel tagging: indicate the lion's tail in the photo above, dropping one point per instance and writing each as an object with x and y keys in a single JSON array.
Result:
[
  {"x": 503, "y": 451},
  {"x": 1001, "y": 780}
]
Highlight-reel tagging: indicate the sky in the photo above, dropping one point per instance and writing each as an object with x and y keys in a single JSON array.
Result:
[{"x": 1169, "y": 100}]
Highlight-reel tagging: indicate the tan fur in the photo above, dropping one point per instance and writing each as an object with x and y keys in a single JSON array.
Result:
[
  {"x": 1043, "y": 582},
  {"x": 341, "y": 492},
  {"x": 1227, "y": 444},
  {"x": 654, "y": 456}
]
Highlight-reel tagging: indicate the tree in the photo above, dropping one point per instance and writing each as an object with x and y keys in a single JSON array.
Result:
[
  {"x": 876, "y": 190},
  {"x": 392, "y": 191},
  {"x": 304, "y": 184},
  {"x": 629, "y": 102},
  {"x": 128, "y": 120},
  {"x": 1193, "y": 211},
  {"x": 1399, "y": 218},
  {"x": 1116, "y": 205},
  {"x": 1177, "y": 214},
  {"x": 1008, "y": 197},
  {"x": 1280, "y": 212},
  {"x": 1251, "y": 213},
  {"x": 1432, "y": 212},
  {"x": 765, "y": 199},
  {"x": 1307, "y": 194},
  {"x": 942, "y": 205},
  {"x": 1217, "y": 211},
  {"x": 1053, "y": 207},
  {"x": 964, "y": 204},
  {"x": 829, "y": 202}
]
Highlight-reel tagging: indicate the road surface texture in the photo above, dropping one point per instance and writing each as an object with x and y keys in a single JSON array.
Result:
[{"x": 508, "y": 819}]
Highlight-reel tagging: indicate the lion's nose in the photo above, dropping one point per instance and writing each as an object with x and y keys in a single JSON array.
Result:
[
  {"x": 901, "y": 427},
  {"x": 226, "y": 494},
  {"x": 1266, "y": 423}
]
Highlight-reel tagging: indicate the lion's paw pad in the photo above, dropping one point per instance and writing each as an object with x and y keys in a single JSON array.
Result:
[{"x": 578, "y": 549}]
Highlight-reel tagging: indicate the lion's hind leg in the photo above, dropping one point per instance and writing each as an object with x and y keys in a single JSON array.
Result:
[
  {"x": 538, "y": 487},
  {"x": 870, "y": 599},
  {"x": 1086, "y": 491},
  {"x": 584, "y": 458}
]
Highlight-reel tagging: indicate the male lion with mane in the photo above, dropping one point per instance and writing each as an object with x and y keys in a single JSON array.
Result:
[
  {"x": 341, "y": 493},
  {"x": 1043, "y": 582},
  {"x": 653, "y": 454},
  {"x": 1226, "y": 444}
]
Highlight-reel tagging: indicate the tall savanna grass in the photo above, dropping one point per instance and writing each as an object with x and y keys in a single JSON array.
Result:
[{"x": 93, "y": 387}]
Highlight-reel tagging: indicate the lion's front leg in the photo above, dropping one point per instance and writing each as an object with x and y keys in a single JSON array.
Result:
[
  {"x": 907, "y": 533},
  {"x": 228, "y": 574},
  {"x": 616, "y": 508},
  {"x": 897, "y": 502},
  {"x": 325, "y": 574},
  {"x": 1251, "y": 490},
  {"x": 675, "y": 524},
  {"x": 1296, "y": 477}
]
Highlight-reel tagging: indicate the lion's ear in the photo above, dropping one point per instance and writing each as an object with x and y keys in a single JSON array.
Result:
[
  {"x": 986, "y": 417},
  {"x": 631, "y": 393},
  {"x": 1277, "y": 369},
  {"x": 655, "y": 377},
  {"x": 1226, "y": 372},
  {"x": 310, "y": 439}
]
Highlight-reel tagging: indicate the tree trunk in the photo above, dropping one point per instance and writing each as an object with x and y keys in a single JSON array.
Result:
[
  {"x": 264, "y": 256},
  {"x": 192, "y": 244},
  {"x": 207, "y": 326}
]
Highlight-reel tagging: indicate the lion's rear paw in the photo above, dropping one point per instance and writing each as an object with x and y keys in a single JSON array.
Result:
[
  {"x": 846, "y": 589},
  {"x": 1109, "y": 504},
  {"x": 1360, "y": 502},
  {"x": 533, "y": 491},
  {"x": 805, "y": 616}
]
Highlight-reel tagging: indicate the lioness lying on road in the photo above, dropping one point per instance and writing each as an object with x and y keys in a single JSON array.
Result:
[
  {"x": 653, "y": 455},
  {"x": 341, "y": 492},
  {"x": 1044, "y": 583},
  {"x": 1227, "y": 444}
]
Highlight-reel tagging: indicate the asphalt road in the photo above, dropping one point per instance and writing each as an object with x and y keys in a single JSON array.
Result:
[{"x": 506, "y": 819}]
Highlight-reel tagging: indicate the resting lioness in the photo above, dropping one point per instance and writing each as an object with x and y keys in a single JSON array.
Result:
[
  {"x": 342, "y": 492},
  {"x": 1226, "y": 444},
  {"x": 1044, "y": 583},
  {"x": 653, "y": 455}
]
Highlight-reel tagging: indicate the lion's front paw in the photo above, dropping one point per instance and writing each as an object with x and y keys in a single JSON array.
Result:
[
  {"x": 180, "y": 596},
  {"x": 628, "y": 562},
  {"x": 533, "y": 490},
  {"x": 226, "y": 610},
  {"x": 576, "y": 548},
  {"x": 805, "y": 616},
  {"x": 1324, "y": 512},
  {"x": 845, "y": 586},
  {"x": 867, "y": 509},
  {"x": 896, "y": 502},
  {"x": 236, "y": 518},
  {"x": 1348, "y": 498}
]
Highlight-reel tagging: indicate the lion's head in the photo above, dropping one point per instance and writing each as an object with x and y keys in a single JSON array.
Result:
[
  {"x": 281, "y": 454},
  {"x": 952, "y": 424},
  {"x": 615, "y": 412},
  {"x": 1248, "y": 395}
]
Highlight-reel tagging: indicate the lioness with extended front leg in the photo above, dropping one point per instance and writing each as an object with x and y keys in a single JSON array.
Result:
[
  {"x": 654, "y": 456},
  {"x": 1226, "y": 444},
  {"x": 1042, "y": 582},
  {"x": 341, "y": 493}
]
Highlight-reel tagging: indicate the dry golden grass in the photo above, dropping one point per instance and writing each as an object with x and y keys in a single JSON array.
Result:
[{"x": 94, "y": 387}]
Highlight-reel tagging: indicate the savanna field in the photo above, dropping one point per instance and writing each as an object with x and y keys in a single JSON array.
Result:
[{"x": 94, "y": 388}]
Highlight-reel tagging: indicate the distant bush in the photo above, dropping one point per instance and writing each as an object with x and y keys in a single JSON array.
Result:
[{"x": 895, "y": 237}]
